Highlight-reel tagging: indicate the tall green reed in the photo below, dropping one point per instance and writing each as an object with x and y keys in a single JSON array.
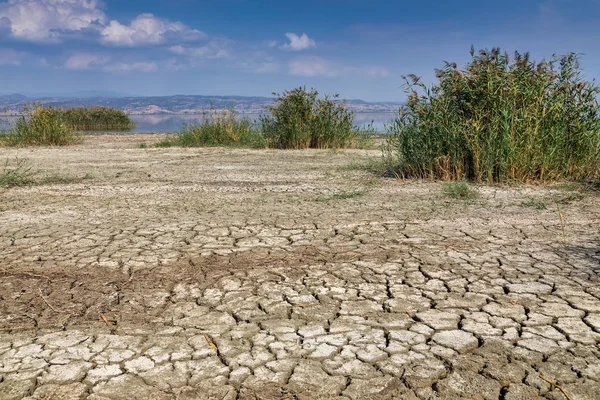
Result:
[
  {"x": 40, "y": 126},
  {"x": 301, "y": 119},
  {"x": 499, "y": 120}
]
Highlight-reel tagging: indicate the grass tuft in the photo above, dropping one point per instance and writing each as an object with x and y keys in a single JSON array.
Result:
[
  {"x": 19, "y": 172},
  {"x": 533, "y": 203},
  {"x": 15, "y": 174},
  {"x": 217, "y": 129},
  {"x": 459, "y": 190},
  {"x": 343, "y": 195}
]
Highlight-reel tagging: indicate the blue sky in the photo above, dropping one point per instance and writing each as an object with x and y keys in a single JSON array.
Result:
[{"x": 359, "y": 49}]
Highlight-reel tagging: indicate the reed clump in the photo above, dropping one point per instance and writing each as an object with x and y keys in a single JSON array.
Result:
[
  {"x": 500, "y": 119},
  {"x": 40, "y": 126},
  {"x": 218, "y": 128},
  {"x": 301, "y": 120},
  {"x": 97, "y": 118}
]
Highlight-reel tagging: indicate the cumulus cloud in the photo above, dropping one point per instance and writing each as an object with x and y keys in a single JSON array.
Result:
[
  {"x": 318, "y": 66},
  {"x": 298, "y": 43},
  {"x": 85, "y": 60},
  {"x": 148, "y": 29},
  {"x": 47, "y": 20},
  {"x": 142, "y": 66}
]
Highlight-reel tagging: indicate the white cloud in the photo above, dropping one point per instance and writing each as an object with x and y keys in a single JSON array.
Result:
[
  {"x": 148, "y": 29},
  {"x": 142, "y": 66},
  {"x": 45, "y": 20},
  {"x": 318, "y": 66},
  {"x": 381, "y": 72},
  {"x": 85, "y": 60},
  {"x": 298, "y": 43},
  {"x": 312, "y": 66},
  {"x": 267, "y": 67},
  {"x": 10, "y": 57},
  {"x": 212, "y": 50}
]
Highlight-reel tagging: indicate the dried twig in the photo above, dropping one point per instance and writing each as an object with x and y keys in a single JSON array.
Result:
[
  {"x": 46, "y": 301},
  {"x": 557, "y": 386},
  {"x": 211, "y": 343},
  {"x": 113, "y": 330}
]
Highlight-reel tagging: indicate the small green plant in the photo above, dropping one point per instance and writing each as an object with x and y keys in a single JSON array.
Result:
[
  {"x": 18, "y": 173},
  {"x": 500, "y": 120},
  {"x": 40, "y": 126},
  {"x": 302, "y": 120},
  {"x": 459, "y": 190},
  {"x": 342, "y": 195},
  {"x": 533, "y": 203},
  {"x": 217, "y": 129}
]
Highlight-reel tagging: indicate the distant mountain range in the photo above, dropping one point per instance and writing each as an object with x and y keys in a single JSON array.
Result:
[{"x": 178, "y": 104}]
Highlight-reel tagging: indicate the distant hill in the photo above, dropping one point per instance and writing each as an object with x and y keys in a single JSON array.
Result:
[
  {"x": 9, "y": 98},
  {"x": 178, "y": 104}
]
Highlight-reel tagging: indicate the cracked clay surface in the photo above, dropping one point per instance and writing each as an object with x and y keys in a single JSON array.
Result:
[{"x": 244, "y": 274}]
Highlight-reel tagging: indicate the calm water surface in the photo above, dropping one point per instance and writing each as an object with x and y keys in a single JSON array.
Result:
[{"x": 165, "y": 123}]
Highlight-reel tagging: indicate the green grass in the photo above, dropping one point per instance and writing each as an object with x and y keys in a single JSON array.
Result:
[
  {"x": 500, "y": 119},
  {"x": 460, "y": 190},
  {"x": 379, "y": 166},
  {"x": 40, "y": 127},
  {"x": 533, "y": 203},
  {"x": 570, "y": 198},
  {"x": 215, "y": 130},
  {"x": 16, "y": 173},
  {"x": 20, "y": 172},
  {"x": 343, "y": 195}
]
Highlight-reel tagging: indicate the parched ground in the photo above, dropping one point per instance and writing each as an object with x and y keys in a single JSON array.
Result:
[{"x": 250, "y": 274}]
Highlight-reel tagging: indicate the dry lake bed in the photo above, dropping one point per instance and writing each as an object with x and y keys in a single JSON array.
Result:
[{"x": 262, "y": 274}]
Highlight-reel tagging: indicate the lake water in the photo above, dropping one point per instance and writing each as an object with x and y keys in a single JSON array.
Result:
[{"x": 165, "y": 123}]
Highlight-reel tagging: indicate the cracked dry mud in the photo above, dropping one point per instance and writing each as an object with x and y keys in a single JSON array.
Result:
[{"x": 234, "y": 274}]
